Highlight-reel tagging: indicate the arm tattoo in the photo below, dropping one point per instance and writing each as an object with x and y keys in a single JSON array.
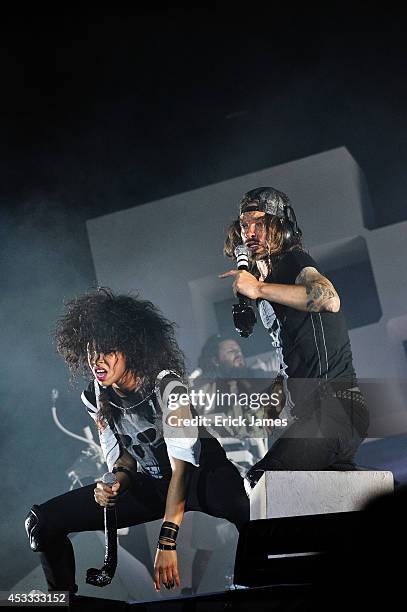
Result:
[{"x": 318, "y": 288}]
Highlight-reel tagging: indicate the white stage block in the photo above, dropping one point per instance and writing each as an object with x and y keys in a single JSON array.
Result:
[{"x": 292, "y": 493}]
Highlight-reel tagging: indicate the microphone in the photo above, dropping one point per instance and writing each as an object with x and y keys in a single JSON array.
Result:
[
  {"x": 242, "y": 254},
  {"x": 102, "y": 577},
  {"x": 244, "y": 316}
]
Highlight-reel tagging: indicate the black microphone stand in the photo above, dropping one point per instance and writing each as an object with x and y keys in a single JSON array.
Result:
[{"x": 102, "y": 577}]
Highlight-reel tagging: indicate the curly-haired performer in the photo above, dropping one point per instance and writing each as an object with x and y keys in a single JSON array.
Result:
[
  {"x": 162, "y": 470},
  {"x": 300, "y": 309}
]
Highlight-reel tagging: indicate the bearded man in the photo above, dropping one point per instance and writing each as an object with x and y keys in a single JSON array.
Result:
[{"x": 301, "y": 310}]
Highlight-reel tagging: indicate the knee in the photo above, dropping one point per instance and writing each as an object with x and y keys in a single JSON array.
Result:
[{"x": 35, "y": 528}]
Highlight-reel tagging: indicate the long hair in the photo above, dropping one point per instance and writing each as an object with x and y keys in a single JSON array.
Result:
[
  {"x": 277, "y": 243},
  {"x": 209, "y": 352},
  {"x": 106, "y": 322}
]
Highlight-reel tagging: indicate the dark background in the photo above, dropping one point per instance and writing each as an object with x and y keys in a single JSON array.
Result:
[{"x": 103, "y": 111}]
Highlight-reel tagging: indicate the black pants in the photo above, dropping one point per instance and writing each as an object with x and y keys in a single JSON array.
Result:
[
  {"x": 325, "y": 436},
  {"x": 215, "y": 488}
]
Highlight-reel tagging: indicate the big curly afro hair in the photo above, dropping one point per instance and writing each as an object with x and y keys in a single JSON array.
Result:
[{"x": 107, "y": 322}]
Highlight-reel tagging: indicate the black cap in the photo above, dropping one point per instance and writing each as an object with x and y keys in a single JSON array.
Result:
[{"x": 264, "y": 199}]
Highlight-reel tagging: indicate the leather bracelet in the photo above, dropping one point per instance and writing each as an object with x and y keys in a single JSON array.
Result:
[
  {"x": 166, "y": 546},
  {"x": 125, "y": 470},
  {"x": 168, "y": 533},
  {"x": 171, "y": 525},
  {"x": 167, "y": 542}
]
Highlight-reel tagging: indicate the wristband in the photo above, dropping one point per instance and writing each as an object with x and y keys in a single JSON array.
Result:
[
  {"x": 125, "y": 470},
  {"x": 171, "y": 525},
  {"x": 166, "y": 546},
  {"x": 168, "y": 532},
  {"x": 168, "y": 536}
]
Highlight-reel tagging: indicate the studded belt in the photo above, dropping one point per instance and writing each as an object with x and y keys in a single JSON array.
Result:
[{"x": 353, "y": 395}]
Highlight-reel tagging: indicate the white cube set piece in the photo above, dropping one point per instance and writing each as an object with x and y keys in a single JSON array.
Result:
[{"x": 297, "y": 493}]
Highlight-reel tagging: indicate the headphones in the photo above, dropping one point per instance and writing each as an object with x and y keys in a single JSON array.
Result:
[
  {"x": 292, "y": 233},
  {"x": 275, "y": 203}
]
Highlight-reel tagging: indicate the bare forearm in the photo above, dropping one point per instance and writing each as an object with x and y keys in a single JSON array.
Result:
[
  {"x": 312, "y": 297},
  {"x": 127, "y": 462},
  {"x": 311, "y": 292},
  {"x": 176, "y": 495},
  {"x": 288, "y": 295}
]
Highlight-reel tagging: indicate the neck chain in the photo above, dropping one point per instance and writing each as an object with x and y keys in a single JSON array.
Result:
[{"x": 133, "y": 405}]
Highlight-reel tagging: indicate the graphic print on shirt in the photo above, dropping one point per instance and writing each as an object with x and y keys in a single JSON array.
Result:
[
  {"x": 272, "y": 324},
  {"x": 141, "y": 435},
  {"x": 139, "y": 429}
]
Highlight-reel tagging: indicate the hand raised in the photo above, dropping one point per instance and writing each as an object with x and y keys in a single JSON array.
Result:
[{"x": 244, "y": 283}]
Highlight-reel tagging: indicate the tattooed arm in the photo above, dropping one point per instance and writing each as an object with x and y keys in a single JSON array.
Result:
[
  {"x": 321, "y": 294},
  {"x": 311, "y": 292}
]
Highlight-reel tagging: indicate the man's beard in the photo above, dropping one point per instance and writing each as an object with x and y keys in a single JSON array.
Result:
[{"x": 260, "y": 253}]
